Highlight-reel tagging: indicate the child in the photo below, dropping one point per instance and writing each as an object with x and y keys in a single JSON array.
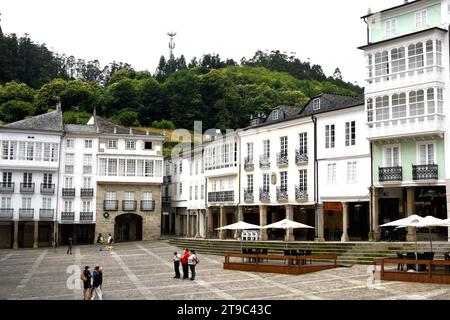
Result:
[{"x": 176, "y": 264}]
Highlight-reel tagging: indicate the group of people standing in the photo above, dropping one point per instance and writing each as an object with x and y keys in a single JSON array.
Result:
[
  {"x": 92, "y": 283},
  {"x": 189, "y": 260},
  {"x": 101, "y": 242}
]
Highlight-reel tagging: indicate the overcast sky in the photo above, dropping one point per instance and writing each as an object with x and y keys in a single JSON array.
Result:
[{"x": 325, "y": 31}]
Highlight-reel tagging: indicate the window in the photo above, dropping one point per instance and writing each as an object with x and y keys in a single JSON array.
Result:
[
  {"x": 131, "y": 167},
  {"x": 6, "y": 203},
  {"x": 331, "y": 177},
  {"x": 275, "y": 115},
  {"x": 439, "y": 52},
  {"x": 429, "y": 52},
  {"x": 48, "y": 178},
  {"x": 303, "y": 142},
  {"x": 426, "y": 153},
  {"x": 250, "y": 151},
  {"x": 398, "y": 106},
  {"x": 230, "y": 184},
  {"x": 416, "y": 103},
  {"x": 46, "y": 203},
  {"x": 158, "y": 168},
  {"x": 284, "y": 146},
  {"x": 27, "y": 179},
  {"x": 350, "y": 133},
  {"x": 87, "y": 163},
  {"x": 87, "y": 182},
  {"x": 9, "y": 150},
  {"x": 148, "y": 196},
  {"x": 250, "y": 183},
  {"x": 369, "y": 110},
  {"x": 70, "y": 143},
  {"x": 7, "y": 178},
  {"x": 202, "y": 192},
  {"x": 351, "y": 172},
  {"x": 68, "y": 182},
  {"x": 148, "y": 145},
  {"x": 88, "y": 144},
  {"x": 303, "y": 180},
  {"x": 329, "y": 136},
  {"x": 196, "y": 192},
  {"x": 69, "y": 162},
  {"x": 382, "y": 108},
  {"x": 266, "y": 182},
  {"x": 191, "y": 167},
  {"x": 283, "y": 180},
  {"x": 122, "y": 167},
  {"x": 381, "y": 64},
  {"x": 130, "y": 145},
  {"x": 112, "y": 167},
  {"x": 129, "y": 195},
  {"x": 149, "y": 168},
  {"x": 26, "y": 203},
  {"x": 266, "y": 148},
  {"x": 390, "y": 27},
  {"x": 86, "y": 206},
  {"x": 440, "y": 102},
  {"x": 175, "y": 166},
  {"x": 316, "y": 104},
  {"x": 398, "y": 61},
  {"x": 196, "y": 167},
  {"x": 30, "y": 151},
  {"x": 68, "y": 206},
  {"x": 369, "y": 67},
  {"x": 112, "y": 144},
  {"x": 111, "y": 195},
  {"x": 190, "y": 192},
  {"x": 214, "y": 186},
  {"x": 391, "y": 156},
  {"x": 421, "y": 18},
  {"x": 415, "y": 56}
]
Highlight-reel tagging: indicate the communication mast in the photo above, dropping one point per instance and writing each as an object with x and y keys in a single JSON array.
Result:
[{"x": 171, "y": 43}]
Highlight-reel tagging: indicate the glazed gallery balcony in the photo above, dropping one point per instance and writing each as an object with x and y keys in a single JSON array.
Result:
[
  {"x": 425, "y": 172},
  {"x": 221, "y": 196},
  {"x": 390, "y": 174}
]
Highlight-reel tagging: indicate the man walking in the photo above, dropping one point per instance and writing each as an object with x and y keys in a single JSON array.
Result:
[
  {"x": 100, "y": 242},
  {"x": 97, "y": 284},
  {"x": 69, "y": 249}
]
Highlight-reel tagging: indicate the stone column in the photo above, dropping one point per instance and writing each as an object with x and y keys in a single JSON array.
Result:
[
  {"x": 410, "y": 211},
  {"x": 290, "y": 216},
  {"x": 223, "y": 221},
  {"x": 263, "y": 221},
  {"x": 197, "y": 224},
  {"x": 188, "y": 224},
  {"x": 344, "y": 237},
  {"x": 240, "y": 216},
  {"x": 209, "y": 222},
  {"x": 375, "y": 235},
  {"x": 319, "y": 224},
  {"x": 16, "y": 235},
  {"x": 36, "y": 234}
]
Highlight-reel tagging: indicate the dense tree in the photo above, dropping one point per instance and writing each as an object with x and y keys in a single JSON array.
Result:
[
  {"x": 15, "y": 110},
  {"x": 75, "y": 117},
  {"x": 163, "y": 124},
  {"x": 126, "y": 117},
  {"x": 16, "y": 91}
]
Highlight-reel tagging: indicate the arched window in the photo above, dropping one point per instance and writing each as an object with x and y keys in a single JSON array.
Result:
[{"x": 398, "y": 105}]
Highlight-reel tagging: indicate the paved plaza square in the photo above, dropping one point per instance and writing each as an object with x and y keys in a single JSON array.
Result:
[{"x": 144, "y": 270}]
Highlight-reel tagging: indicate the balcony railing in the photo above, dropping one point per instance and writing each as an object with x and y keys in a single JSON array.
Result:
[
  {"x": 425, "y": 172},
  {"x": 248, "y": 163},
  {"x": 87, "y": 216},
  {"x": 68, "y": 192},
  {"x": 67, "y": 216},
  {"x": 87, "y": 192},
  {"x": 264, "y": 194},
  {"x": 111, "y": 205},
  {"x": 6, "y": 187},
  {"x": 248, "y": 195},
  {"x": 6, "y": 213},
  {"x": 26, "y": 213},
  {"x": 46, "y": 214},
  {"x": 26, "y": 187},
  {"x": 301, "y": 156},
  {"x": 282, "y": 194},
  {"x": 282, "y": 159},
  {"x": 222, "y": 196},
  {"x": 129, "y": 205},
  {"x": 390, "y": 174},
  {"x": 264, "y": 161},
  {"x": 301, "y": 193},
  {"x": 147, "y": 205},
  {"x": 47, "y": 188}
]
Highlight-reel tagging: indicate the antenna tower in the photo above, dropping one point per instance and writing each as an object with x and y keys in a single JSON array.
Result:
[{"x": 171, "y": 43}]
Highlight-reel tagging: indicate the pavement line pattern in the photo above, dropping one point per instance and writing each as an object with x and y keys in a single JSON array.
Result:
[
  {"x": 6, "y": 257},
  {"x": 208, "y": 286},
  {"x": 29, "y": 275},
  {"x": 146, "y": 293},
  {"x": 77, "y": 291}
]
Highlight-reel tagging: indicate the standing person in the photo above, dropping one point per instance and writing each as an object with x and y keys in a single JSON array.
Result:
[
  {"x": 97, "y": 283},
  {"x": 100, "y": 242},
  {"x": 184, "y": 264},
  {"x": 110, "y": 241},
  {"x": 192, "y": 262},
  {"x": 87, "y": 283},
  {"x": 176, "y": 264},
  {"x": 69, "y": 249}
]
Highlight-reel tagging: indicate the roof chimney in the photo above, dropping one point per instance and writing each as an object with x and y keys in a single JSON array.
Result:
[{"x": 131, "y": 130}]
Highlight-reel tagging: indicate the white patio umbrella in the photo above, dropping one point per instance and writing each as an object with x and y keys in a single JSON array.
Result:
[
  {"x": 241, "y": 225},
  {"x": 287, "y": 224}
]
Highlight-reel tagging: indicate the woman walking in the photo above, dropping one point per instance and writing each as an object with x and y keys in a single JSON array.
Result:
[
  {"x": 86, "y": 277},
  {"x": 192, "y": 262}
]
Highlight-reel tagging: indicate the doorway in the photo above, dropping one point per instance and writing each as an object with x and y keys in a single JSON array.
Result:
[{"x": 128, "y": 227}]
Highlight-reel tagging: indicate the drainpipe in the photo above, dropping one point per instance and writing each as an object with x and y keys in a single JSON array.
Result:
[
  {"x": 365, "y": 21},
  {"x": 316, "y": 184},
  {"x": 55, "y": 226},
  {"x": 371, "y": 195}
]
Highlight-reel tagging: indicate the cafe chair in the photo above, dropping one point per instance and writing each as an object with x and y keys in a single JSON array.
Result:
[
  {"x": 410, "y": 256},
  {"x": 286, "y": 252},
  {"x": 400, "y": 265},
  {"x": 309, "y": 253}
]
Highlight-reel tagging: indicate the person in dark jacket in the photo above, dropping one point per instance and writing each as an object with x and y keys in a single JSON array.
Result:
[
  {"x": 97, "y": 284},
  {"x": 184, "y": 264},
  {"x": 87, "y": 283},
  {"x": 69, "y": 249}
]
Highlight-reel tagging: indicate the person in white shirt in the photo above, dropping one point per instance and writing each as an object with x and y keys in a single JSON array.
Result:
[
  {"x": 176, "y": 264},
  {"x": 192, "y": 262}
]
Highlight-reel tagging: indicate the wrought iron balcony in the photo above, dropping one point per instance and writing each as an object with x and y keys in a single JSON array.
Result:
[
  {"x": 147, "y": 205},
  {"x": 282, "y": 194},
  {"x": 87, "y": 192},
  {"x": 26, "y": 213},
  {"x": 6, "y": 213},
  {"x": 111, "y": 205},
  {"x": 129, "y": 205},
  {"x": 248, "y": 195},
  {"x": 301, "y": 193},
  {"x": 67, "y": 216},
  {"x": 425, "y": 172},
  {"x": 221, "y": 196},
  {"x": 264, "y": 161},
  {"x": 47, "y": 188},
  {"x": 264, "y": 194},
  {"x": 6, "y": 187},
  {"x": 248, "y": 163},
  {"x": 26, "y": 187},
  {"x": 301, "y": 156},
  {"x": 390, "y": 174},
  {"x": 46, "y": 214},
  {"x": 282, "y": 159},
  {"x": 68, "y": 192},
  {"x": 87, "y": 216}
]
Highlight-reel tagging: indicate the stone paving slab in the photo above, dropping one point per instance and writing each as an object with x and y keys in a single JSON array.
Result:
[{"x": 144, "y": 270}]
